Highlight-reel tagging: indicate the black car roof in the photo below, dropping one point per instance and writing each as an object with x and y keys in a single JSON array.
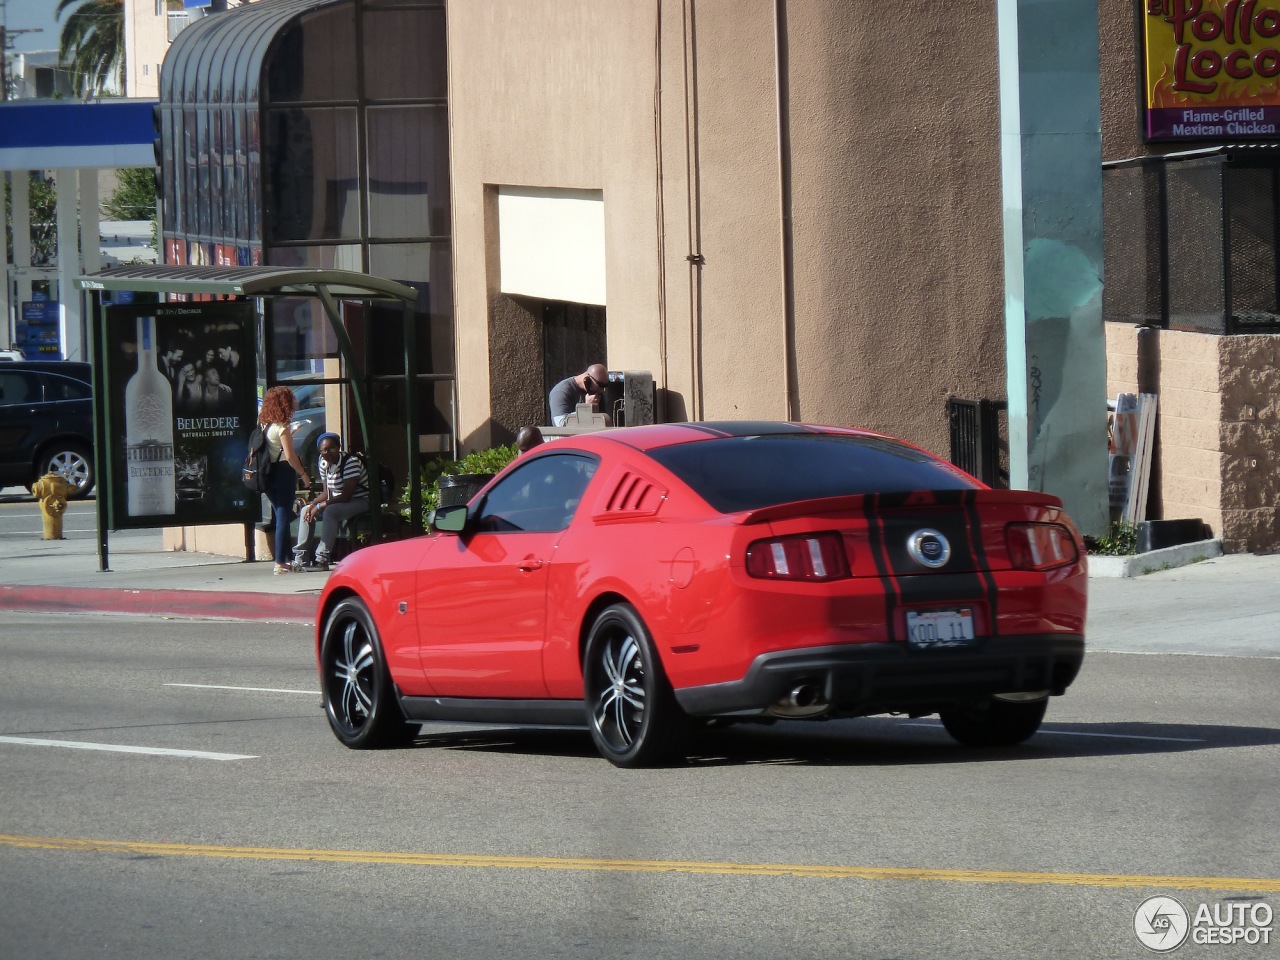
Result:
[{"x": 68, "y": 368}]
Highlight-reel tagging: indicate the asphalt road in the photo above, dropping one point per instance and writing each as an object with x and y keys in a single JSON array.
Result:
[{"x": 877, "y": 838}]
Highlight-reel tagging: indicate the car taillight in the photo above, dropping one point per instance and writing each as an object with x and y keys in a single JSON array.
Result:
[
  {"x": 1040, "y": 546},
  {"x": 810, "y": 556}
]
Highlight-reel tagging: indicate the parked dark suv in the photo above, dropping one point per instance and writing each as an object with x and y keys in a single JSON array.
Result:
[{"x": 46, "y": 423}]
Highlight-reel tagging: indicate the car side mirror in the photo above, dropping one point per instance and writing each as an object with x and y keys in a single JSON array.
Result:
[{"x": 452, "y": 519}]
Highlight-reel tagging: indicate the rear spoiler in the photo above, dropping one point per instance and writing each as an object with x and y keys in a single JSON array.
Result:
[{"x": 856, "y": 502}]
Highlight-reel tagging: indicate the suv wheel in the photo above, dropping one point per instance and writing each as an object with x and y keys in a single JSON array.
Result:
[{"x": 74, "y": 462}]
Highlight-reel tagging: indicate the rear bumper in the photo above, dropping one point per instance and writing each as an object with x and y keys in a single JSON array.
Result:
[{"x": 888, "y": 677}]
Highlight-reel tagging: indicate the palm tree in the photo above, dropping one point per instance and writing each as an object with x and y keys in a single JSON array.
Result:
[{"x": 92, "y": 43}]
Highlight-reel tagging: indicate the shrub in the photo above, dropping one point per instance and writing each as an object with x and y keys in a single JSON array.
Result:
[
  {"x": 480, "y": 461},
  {"x": 1120, "y": 541}
]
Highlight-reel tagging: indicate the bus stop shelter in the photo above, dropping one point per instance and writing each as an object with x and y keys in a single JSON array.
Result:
[{"x": 329, "y": 287}]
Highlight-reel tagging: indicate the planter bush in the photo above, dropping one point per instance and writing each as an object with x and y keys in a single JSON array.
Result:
[
  {"x": 1120, "y": 541},
  {"x": 486, "y": 462}
]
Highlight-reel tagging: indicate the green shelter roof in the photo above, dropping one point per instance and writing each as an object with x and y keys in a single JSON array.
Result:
[{"x": 246, "y": 281}]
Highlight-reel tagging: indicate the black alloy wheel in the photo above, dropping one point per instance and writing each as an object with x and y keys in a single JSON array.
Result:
[
  {"x": 359, "y": 697},
  {"x": 998, "y": 721},
  {"x": 633, "y": 715}
]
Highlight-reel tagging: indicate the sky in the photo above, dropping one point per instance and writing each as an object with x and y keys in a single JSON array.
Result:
[{"x": 27, "y": 15}]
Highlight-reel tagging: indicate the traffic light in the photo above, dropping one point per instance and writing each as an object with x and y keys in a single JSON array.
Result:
[{"x": 157, "y": 149}]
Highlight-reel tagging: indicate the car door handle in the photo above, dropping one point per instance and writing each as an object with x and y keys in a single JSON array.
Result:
[{"x": 529, "y": 565}]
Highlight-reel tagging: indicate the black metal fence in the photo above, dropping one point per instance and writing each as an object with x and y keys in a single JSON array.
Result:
[
  {"x": 979, "y": 439},
  {"x": 1191, "y": 243}
]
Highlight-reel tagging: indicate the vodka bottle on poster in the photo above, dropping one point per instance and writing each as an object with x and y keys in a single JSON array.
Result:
[{"x": 148, "y": 431}]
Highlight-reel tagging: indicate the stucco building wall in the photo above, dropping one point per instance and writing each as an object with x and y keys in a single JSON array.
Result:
[
  {"x": 1218, "y": 427},
  {"x": 146, "y": 39},
  {"x": 1218, "y": 422},
  {"x": 861, "y": 286}
]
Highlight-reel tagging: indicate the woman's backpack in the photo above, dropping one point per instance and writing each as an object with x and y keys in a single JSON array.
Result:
[{"x": 257, "y": 464}]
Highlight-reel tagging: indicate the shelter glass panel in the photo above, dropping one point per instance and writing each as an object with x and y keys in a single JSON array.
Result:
[
  {"x": 434, "y": 414},
  {"x": 428, "y": 267},
  {"x": 300, "y": 335}
]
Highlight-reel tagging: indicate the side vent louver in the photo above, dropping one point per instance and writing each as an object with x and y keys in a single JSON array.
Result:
[{"x": 632, "y": 495}]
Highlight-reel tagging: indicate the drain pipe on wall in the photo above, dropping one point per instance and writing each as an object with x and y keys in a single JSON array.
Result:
[
  {"x": 783, "y": 93},
  {"x": 694, "y": 200},
  {"x": 660, "y": 214}
]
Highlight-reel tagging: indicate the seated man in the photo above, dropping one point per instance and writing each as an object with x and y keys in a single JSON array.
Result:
[{"x": 345, "y": 495}]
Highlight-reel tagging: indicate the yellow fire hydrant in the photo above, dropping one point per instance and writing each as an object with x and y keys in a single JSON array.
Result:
[{"x": 51, "y": 491}]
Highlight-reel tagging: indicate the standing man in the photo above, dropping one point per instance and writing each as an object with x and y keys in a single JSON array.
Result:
[
  {"x": 171, "y": 362},
  {"x": 345, "y": 495},
  {"x": 586, "y": 387}
]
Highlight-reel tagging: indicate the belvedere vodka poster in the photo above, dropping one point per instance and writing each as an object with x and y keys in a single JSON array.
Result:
[{"x": 182, "y": 401}]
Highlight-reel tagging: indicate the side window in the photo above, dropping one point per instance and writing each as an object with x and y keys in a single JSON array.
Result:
[
  {"x": 540, "y": 496},
  {"x": 64, "y": 388},
  {"x": 17, "y": 388}
]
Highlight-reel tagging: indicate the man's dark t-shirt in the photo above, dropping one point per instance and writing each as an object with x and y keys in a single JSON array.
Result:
[{"x": 565, "y": 397}]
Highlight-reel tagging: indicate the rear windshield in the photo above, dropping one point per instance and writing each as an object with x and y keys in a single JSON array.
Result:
[{"x": 746, "y": 473}]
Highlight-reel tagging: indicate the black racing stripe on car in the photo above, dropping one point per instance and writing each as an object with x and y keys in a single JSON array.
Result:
[
  {"x": 941, "y": 498},
  {"x": 980, "y": 562},
  {"x": 919, "y": 586},
  {"x": 876, "y": 541}
]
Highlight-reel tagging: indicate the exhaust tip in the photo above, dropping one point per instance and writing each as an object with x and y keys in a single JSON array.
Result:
[{"x": 805, "y": 699}]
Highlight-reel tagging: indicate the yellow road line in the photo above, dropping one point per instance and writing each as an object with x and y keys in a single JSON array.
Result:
[{"x": 1245, "y": 884}]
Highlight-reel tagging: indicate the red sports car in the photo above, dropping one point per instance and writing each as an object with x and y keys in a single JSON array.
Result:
[{"x": 640, "y": 581}]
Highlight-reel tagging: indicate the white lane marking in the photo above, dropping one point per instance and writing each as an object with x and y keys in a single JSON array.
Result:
[
  {"x": 1078, "y": 733},
  {"x": 121, "y": 748},
  {"x": 214, "y": 686}
]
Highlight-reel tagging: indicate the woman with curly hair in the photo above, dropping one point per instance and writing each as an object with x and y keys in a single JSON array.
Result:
[{"x": 286, "y": 467}]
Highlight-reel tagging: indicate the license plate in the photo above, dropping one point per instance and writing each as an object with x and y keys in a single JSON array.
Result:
[{"x": 940, "y": 628}]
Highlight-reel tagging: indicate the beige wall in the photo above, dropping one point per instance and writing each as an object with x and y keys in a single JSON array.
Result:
[
  {"x": 1120, "y": 73},
  {"x": 895, "y": 186},
  {"x": 1218, "y": 435},
  {"x": 1218, "y": 427},
  {"x": 146, "y": 40}
]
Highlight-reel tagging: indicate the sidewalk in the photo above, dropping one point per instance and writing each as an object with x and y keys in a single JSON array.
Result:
[
  {"x": 1224, "y": 606},
  {"x": 62, "y": 575}
]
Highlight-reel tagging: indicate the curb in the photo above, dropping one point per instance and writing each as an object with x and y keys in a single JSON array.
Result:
[
  {"x": 201, "y": 604},
  {"x": 1140, "y": 564}
]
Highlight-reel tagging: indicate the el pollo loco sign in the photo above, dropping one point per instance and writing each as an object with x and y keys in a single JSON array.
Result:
[{"x": 1212, "y": 69}]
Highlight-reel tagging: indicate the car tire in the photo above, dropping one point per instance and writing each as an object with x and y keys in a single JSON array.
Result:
[
  {"x": 74, "y": 461},
  {"x": 359, "y": 697},
  {"x": 995, "y": 721},
  {"x": 631, "y": 710}
]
